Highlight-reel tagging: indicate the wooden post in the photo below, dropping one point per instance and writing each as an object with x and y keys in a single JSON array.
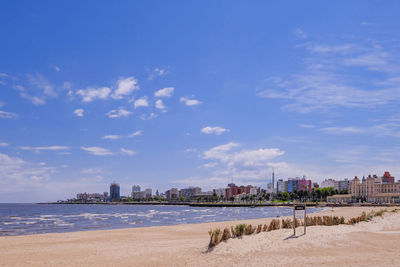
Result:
[
  {"x": 294, "y": 219},
  {"x": 305, "y": 215}
]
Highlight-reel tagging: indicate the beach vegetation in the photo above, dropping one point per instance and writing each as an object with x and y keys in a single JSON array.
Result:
[
  {"x": 226, "y": 234},
  {"x": 265, "y": 227},
  {"x": 240, "y": 229},
  {"x": 216, "y": 236},
  {"x": 250, "y": 229}
]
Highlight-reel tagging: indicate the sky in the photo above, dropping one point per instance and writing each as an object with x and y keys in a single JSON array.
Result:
[{"x": 194, "y": 93}]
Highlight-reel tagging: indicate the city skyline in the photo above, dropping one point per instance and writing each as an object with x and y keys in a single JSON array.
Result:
[{"x": 194, "y": 94}]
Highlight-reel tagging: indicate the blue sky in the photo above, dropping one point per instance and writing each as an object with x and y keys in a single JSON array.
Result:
[{"x": 177, "y": 93}]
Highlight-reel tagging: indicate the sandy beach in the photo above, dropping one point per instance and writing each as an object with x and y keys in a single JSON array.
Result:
[{"x": 374, "y": 243}]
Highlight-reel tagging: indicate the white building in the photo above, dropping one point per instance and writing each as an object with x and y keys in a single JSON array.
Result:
[
  {"x": 328, "y": 183},
  {"x": 253, "y": 191},
  {"x": 280, "y": 186},
  {"x": 220, "y": 192},
  {"x": 135, "y": 188}
]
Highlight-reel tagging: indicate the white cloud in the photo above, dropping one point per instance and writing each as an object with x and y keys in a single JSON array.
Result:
[
  {"x": 214, "y": 130},
  {"x": 36, "y": 100},
  {"x": 44, "y": 148},
  {"x": 17, "y": 175},
  {"x": 141, "y": 102},
  {"x": 190, "y": 101},
  {"x": 97, "y": 151},
  {"x": 90, "y": 94},
  {"x": 148, "y": 117},
  {"x": 157, "y": 72},
  {"x": 165, "y": 92},
  {"x": 79, "y": 112},
  {"x": 224, "y": 153},
  {"x": 3, "y": 144},
  {"x": 112, "y": 137},
  {"x": 365, "y": 23},
  {"x": 134, "y": 134},
  {"x": 387, "y": 129},
  {"x": 43, "y": 84},
  {"x": 342, "y": 130},
  {"x": 57, "y": 68},
  {"x": 209, "y": 165},
  {"x": 7, "y": 115},
  {"x": 300, "y": 33},
  {"x": 127, "y": 152},
  {"x": 120, "y": 112},
  {"x": 92, "y": 170},
  {"x": 308, "y": 126},
  {"x": 125, "y": 86},
  {"x": 160, "y": 104}
]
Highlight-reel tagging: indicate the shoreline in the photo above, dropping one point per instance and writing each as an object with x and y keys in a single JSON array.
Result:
[
  {"x": 205, "y": 204},
  {"x": 311, "y": 210},
  {"x": 186, "y": 244}
]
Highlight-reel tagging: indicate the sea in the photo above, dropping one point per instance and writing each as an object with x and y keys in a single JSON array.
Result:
[{"x": 26, "y": 219}]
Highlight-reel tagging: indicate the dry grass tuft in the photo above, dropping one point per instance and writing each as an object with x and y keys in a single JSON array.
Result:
[
  {"x": 259, "y": 228},
  {"x": 226, "y": 234}
]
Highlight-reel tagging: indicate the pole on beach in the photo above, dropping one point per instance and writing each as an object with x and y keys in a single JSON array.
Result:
[
  {"x": 294, "y": 218},
  {"x": 305, "y": 215}
]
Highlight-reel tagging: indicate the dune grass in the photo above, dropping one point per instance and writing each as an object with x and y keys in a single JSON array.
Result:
[{"x": 216, "y": 236}]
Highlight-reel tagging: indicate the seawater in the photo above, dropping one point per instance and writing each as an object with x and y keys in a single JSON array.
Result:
[{"x": 23, "y": 219}]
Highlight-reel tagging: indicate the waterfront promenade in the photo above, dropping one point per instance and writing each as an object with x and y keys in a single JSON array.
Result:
[{"x": 186, "y": 245}]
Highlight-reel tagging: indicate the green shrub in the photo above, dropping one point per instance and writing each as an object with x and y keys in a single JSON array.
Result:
[{"x": 240, "y": 229}]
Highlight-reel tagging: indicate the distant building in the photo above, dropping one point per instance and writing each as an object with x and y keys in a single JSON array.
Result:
[
  {"x": 315, "y": 185},
  {"x": 293, "y": 185},
  {"x": 232, "y": 190},
  {"x": 387, "y": 178},
  {"x": 220, "y": 192},
  {"x": 304, "y": 185},
  {"x": 270, "y": 188},
  {"x": 95, "y": 197},
  {"x": 342, "y": 185},
  {"x": 146, "y": 194},
  {"x": 328, "y": 183},
  {"x": 190, "y": 192},
  {"x": 172, "y": 194},
  {"x": 280, "y": 186},
  {"x": 114, "y": 192},
  {"x": 135, "y": 188}
]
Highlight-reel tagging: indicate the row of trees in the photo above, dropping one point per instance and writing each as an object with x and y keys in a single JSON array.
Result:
[{"x": 316, "y": 194}]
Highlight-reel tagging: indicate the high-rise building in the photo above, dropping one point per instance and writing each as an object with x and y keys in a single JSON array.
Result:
[
  {"x": 280, "y": 186},
  {"x": 273, "y": 180},
  {"x": 293, "y": 185},
  {"x": 114, "y": 192},
  {"x": 136, "y": 188}
]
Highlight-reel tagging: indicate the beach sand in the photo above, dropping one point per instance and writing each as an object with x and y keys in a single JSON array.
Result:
[{"x": 375, "y": 243}]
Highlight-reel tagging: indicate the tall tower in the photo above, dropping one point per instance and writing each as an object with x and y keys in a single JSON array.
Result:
[{"x": 273, "y": 180}]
